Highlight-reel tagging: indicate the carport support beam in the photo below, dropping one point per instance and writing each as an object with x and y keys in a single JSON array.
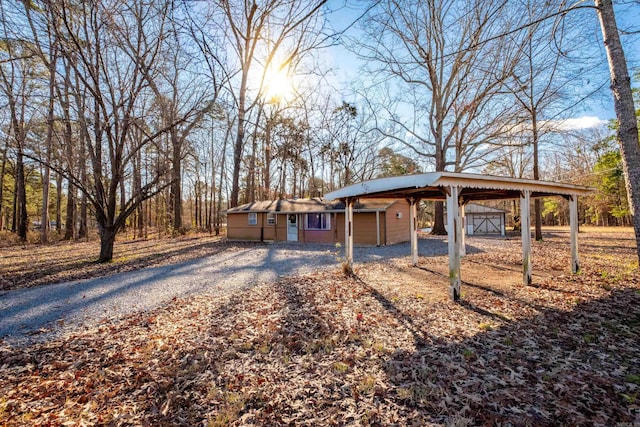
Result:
[
  {"x": 463, "y": 231},
  {"x": 573, "y": 221},
  {"x": 413, "y": 220},
  {"x": 453, "y": 235},
  {"x": 525, "y": 226},
  {"x": 348, "y": 231}
]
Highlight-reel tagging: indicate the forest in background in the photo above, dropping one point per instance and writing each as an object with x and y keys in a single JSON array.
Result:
[{"x": 156, "y": 116}]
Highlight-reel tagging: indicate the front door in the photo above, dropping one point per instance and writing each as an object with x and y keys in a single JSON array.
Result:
[{"x": 292, "y": 228}]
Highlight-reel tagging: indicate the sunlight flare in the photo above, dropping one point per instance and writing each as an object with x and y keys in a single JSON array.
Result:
[{"x": 278, "y": 84}]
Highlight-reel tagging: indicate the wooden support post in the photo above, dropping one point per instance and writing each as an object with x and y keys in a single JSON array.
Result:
[
  {"x": 525, "y": 225},
  {"x": 413, "y": 220},
  {"x": 573, "y": 221},
  {"x": 453, "y": 234},
  {"x": 348, "y": 230},
  {"x": 377, "y": 228},
  {"x": 463, "y": 231}
]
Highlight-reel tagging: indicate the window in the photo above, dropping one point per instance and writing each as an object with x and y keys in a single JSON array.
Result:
[
  {"x": 318, "y": 221},
  {"x": 253, "y": 218},
  {"x": 271, "y": 218}
]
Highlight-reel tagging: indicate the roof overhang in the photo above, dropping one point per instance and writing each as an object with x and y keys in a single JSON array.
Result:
[{"x": 433, "y": 186}]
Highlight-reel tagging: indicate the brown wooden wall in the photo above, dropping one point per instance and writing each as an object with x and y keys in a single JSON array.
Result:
[
  {"x": 392, "y": 229},
  {"x": 339, "y": 227},
  {"x": 238, "y": 227},
  {"x": 398, "y": 229},
  {"x": 364, "y": 229}
]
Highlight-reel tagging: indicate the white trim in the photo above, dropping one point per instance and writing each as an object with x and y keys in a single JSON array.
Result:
[{"x": 293, "y": 228}]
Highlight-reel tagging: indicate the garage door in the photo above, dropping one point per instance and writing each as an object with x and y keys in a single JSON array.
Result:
[{"x": 487, "y": 224}]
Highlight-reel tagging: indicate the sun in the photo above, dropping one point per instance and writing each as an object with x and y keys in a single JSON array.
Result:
[{"x": 278, "y": 84}]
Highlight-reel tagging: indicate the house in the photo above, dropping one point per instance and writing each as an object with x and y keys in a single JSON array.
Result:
[
  {"x": 375, "y": 221},
  {"x": 484, "y": 220}
]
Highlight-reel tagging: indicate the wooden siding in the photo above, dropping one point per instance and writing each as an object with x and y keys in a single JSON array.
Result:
[
  {"x": 280, "y": 230},
  {"x": 392, "y": 229},
  {"x": 364, "y": 228},
  {"x": 238, "y": 227},
  {"x": 339, "y": 227},
  {"x": 397, "y": 229},
  {"x": 318, "y": 236}
]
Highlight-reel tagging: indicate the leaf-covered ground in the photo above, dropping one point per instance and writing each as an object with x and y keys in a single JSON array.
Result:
[
  {"x": 34, "y": 265},
  {"x": 384, "y": 347}
]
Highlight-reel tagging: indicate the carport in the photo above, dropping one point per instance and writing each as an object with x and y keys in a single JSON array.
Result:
[{"x": 458, "y": 189}]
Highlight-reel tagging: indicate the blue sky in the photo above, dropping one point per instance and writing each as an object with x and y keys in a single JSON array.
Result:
[{"x": 595, "y": 110}]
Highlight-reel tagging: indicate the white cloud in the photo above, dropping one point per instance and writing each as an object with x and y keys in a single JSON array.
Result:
[
  {"x": 576, "y": 123},
  {"x": 584, "y": 122}
]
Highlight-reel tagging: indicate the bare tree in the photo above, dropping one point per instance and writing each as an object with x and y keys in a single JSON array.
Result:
[
  {"x": 19, "y": 66},
  {"x": 261, "y": 35},
  {"x": 627, "y": 131},
  {"x": 183, "y": 99},
  {"x": 104, "y": 46},
  {"x": 431, "y": 56},
  {"x": 44, "y": 44},
  {"x": 541, "y": 83}
]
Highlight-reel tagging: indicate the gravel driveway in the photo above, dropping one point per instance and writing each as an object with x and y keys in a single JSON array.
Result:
[{"x": 38, "y": 313}]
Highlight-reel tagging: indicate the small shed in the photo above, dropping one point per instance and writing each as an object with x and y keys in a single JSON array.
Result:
[{"x": 481, "y": 220}]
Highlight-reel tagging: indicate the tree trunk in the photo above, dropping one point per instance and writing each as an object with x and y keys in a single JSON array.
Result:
[
  {"x": 176, "y": 183},
  {"x": 123, "y": 201},
  {"x": 21, "y": 197},
  {"x": 438, "y": 214},
  {"x": 83, "y": 220},
  {"x": 137, "y": 185},
  {"x": 59, "y": 179},
  {"x": 251, "y": 190},
  {"x": 238, "y": 147},
  {"x": 14, "y": 210},
  {"x": 537, "y": 208},
  {"x": 627, "y": 132},
  {"x": 3, "y": 166},
  {"x": 438, "y": 220},
  {"x": 266, "y": 172},
  {"x": 107, "y": 240},
  {"x": 218, "y": 214},
  {"x": 46, "y": 179},
  {"x": 69, "y": 223}
]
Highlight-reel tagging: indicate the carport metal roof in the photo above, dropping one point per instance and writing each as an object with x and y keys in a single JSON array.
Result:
[
  {"x": 458, "y": 189},
  {"x": 473, "y": 187}
]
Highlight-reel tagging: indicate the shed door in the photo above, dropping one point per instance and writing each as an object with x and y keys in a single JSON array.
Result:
[
  {"x": 292, "y": 227},
  {"x": 487, "y": 224}
]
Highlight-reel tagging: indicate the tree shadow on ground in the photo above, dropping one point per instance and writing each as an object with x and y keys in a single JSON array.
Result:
[
  {"x": 557, "y": 368},
  {"x": 50, "y": 272}
]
